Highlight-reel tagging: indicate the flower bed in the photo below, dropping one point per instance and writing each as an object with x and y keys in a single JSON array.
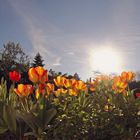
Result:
[{"x": 71, "y": 109}]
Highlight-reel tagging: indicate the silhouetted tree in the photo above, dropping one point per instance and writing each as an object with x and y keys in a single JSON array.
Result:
[
  {"x": 13, "y": 58},
  {"x": 76, "y": 76},
  {"x": 38, "y": 61}
]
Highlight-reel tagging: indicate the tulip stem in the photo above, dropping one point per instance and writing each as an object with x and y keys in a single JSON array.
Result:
[
  {"x": 23, "y": 105},
  {"x": 28, "y": 110}
]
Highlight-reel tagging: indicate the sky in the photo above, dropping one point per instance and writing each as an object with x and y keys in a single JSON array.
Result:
[{"x": 67, "y": 32}]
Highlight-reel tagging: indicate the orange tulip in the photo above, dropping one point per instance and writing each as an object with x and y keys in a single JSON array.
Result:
[
  {"x": 23, "y": 90},
  {"x": 41, "y": 89},
  {"x": 38, "y": 74},
  {"x": 73, "y": 82},
  {"x": 50, "y": 87},
  {"x": 80, "y": 85},
  {"x": 60, "y": 91},
  {"x": 119, "y": 84},
  {"x": 59, "y": 81},
  {"x": 69, "y": 83},
  {"x": 39, "y": 92},
  {"x": 44, "y": 89},
  {"x": 128, "y": 76},
  {"x": 73, "y": 92}
]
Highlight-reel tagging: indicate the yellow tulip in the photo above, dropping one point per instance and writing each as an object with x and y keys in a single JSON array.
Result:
[
  {"x": 50, "y": 87},
  {"x": 59, "y": 81},
  {"x": 38, "y": 74},
  {"x": 119, "y": 84},
  {"x": 67, "y": 83},
  {"x": 37, "y": 93},
  {"x": 23, "y": 90},
  {"x": 128, "y": 76},
  {"x": 80, "y": 85},
  {"x": 33, "y": 75},
  {"x": 73, "y": 92},
  {"x": 60, "y": 91}
]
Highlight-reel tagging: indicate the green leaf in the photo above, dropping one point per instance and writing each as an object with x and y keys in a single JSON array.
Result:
[
  {"x": 29, "y": 134},
  {"x": 3, "y": 126},
  {"x": 29, "y": 119},
  {"x": 49, "y": 116},
  {"x": 3, "y": 129},
  {"x": 9, "y": 117}
]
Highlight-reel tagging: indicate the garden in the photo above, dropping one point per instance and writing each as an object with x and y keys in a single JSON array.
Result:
[{"x": 104, "y": 108}]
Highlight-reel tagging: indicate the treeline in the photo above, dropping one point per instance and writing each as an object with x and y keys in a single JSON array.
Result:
[{"x": 14, "y": 58}]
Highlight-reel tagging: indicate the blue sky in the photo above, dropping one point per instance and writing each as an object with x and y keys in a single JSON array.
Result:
[{"x": 66, "y": 31}]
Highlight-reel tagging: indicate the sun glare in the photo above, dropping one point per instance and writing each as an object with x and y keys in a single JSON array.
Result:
[{"x": 105, "y": 60}]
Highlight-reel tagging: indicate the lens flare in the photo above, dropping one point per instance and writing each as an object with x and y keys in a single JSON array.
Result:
[{"x": 106, "y": 60}]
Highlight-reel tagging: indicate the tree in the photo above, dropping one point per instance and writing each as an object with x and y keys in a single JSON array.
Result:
[
  {"x": 12, "y": 55},
  {"x": 13, "y": 58},
  {"x": 38, "y": 61}
]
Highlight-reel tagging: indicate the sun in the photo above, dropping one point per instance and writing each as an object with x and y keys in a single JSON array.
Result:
[{"x": 105, "y": 60}]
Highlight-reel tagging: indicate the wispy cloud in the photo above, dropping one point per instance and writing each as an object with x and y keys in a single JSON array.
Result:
[
  {"x": 57, "y": 63},
  {"x": 37, "y": 31}
]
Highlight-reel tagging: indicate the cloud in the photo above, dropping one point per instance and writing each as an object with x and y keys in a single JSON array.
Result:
[
  {"x": 60, "y": 50},
  {"x": 38, "y": 31},
  {"x": 70, "y": 53},
  {"x": 57, "y": 63}
]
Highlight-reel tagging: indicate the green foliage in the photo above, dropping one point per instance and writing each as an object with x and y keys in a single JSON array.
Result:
[
  {"x": 13, "y": 57},
  {"x": 37, "y": 116},
  {"x": 102, "y": 115},
  {"x": 7, "y": 116},
  {"x": 24, "y": 116}
]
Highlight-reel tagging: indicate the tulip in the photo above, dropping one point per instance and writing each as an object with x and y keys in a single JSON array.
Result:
[
  {"x": 128, "y": 76},
  {"x": 44, "y": 89},
  {"x": 40, "y": 90},
  {"x": 137, "y": 95},
  {"x": 59, "y": 81},
  {"x": 49, "y": 87},
  {"x": 14, "y": 76},
  {"x": 23, "y": 90},
  {"x": 69, "y": 83},
  {"x": 37, "y": 93},
  {"x": 80, "y": 85},
  {"x": 73, "y": 92},
  {"x": 73, "y": 82},
  {"x": 60, "y": 91},
  {"x": 119, "y": 84},
  {"x": 38, "y": 74}
]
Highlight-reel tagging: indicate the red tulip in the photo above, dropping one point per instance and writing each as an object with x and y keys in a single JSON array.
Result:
[
  {"x": 14, "y": 76},
  {"x": 137, "y": 95}
]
